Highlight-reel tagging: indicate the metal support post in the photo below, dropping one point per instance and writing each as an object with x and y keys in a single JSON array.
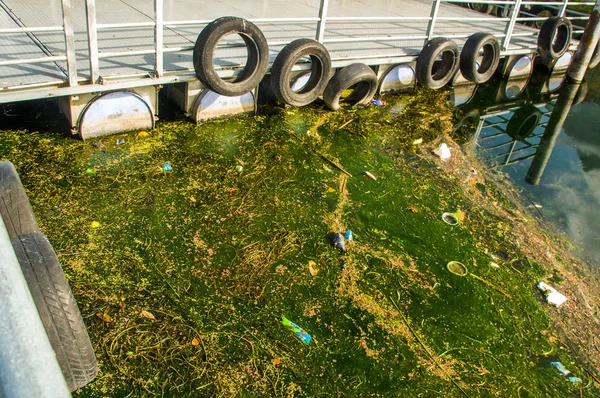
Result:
[
  {"x": 158, "y": 37},
  {"x": 69, "y": 42},
  {"x": 322, "y": 20},
  {"x": 563, "y": 8},
  {"x": 510, "y": 26},
  {"x": 435, "y": 8},
  {"x": 92, "y": 30},
  {"x": 587, "y": 45}
]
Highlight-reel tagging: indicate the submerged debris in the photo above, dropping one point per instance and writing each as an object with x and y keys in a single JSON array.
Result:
[
  {"x": 565, "y": 372},
  {"x": 337, "y": 240},
  {"x": 297, "y": 330},
  {"x": 370, "y": 176},
  {"x": 552, "y": 296},
  {"x": 443, "y": 151}
]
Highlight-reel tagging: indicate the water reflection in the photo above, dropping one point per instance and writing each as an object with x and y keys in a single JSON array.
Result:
[{"x": 537, "y": 130}]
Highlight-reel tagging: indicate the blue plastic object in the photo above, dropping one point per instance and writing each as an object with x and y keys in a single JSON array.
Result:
[
  {"x": 378, "y": 102},
  {"x": 297, "y": 330},
  {"x": 167, "y": 167},
  {"x": 348, "y": 235},
  {"x": 561, "y": 368}
]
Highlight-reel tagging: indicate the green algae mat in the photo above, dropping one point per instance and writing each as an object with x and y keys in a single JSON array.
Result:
[{"x": 183, "y": 274}]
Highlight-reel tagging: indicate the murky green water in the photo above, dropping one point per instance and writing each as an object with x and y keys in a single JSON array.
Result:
[
  {"x": 567, "y": 191},
  {"x": 219, "y": 248}
]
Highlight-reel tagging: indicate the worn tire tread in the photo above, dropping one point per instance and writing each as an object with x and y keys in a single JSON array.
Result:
[
  {"x": 57, "y": 309},
  {"x": 15, "y": 208}
]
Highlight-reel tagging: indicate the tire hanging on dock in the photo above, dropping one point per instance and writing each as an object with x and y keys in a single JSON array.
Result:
[
  {"x": 282, "y": 75},
  {"x": 554, "y": 38},
  {"x": 256, "y": 63},
  {"x": 472, "y": 68},
  {"x": 435, "y": 74},
  {"x": 360, "y": 77}
]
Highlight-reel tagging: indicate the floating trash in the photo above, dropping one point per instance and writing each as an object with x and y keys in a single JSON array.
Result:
[
  {"x": 94, "y": 224},
  {"x": 312, "y": 268},
  {"x": 443, "y": 151},
  {"x": 337, "y": 240},
  {"x": 450, "y": 218},
  {"x": 457, "y": 268},
  {"x": 167, "y": 167},
  {"x": 565, "y": 372},
  {"x": 348, "y": 235},
  {"x": 239, "y": 168},
  {"x": 297, "y": 330},
  {"x": 552, "y": 296},
  {"x": 369, "y": 175},
  {"x": 120, "y": 141},
  {"x": 89, "y": 171},
  {"x": 494, "y": 264},
  {"x": 378, "y": 102},
  {"x": 418, "y": 141}
]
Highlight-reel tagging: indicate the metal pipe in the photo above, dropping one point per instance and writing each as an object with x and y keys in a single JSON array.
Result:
[
  {"x": 90, "y": 12},
  {"x": 32, "y": 29},
  {"x": 548, "y": 140},
  {"x": 158, "y": 37},
  {"x": 322, "y": 20},
  {"x": 563, "y": 9},
  {"x": 69, "y": 43},
  {"x": 28, "y": 366},
  {"x": 587, "y": 45},
  {"x": 514, "y": 13},
  {"x": 33, "y": 60},
  {"x": 435, "y": 8}
]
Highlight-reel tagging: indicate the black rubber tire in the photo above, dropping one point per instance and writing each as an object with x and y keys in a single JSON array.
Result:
[
  {"x": 523, "y": 122},
  {"x": 256, "y": 64},
  {"x": 15, "y": 208},
  {"x": 502, "y": 11},
  {"x": 358, "y": 75},
  {"x": 541, "y": 12},
  {"x": 482, "y": 8},
  {"x": 470, "y": 54},
  {"x": 554, "y": 38},
  {"x": 426, "y": 63},
  {"x": 281, "y": 72},
  {"x": 57, "y": 309},
  {"x": 595, "y": 58}
]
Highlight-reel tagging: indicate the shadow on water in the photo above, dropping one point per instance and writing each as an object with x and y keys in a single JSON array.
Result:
[{"x": 542, "y": 133}]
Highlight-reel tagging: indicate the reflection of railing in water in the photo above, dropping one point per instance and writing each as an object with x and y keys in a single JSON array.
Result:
[
  {"x": 491, "y": 129},
  {"x": 539, "y": 121}
]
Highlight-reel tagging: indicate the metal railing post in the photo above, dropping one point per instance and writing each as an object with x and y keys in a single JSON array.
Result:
[
  {"x": 514, "y": 13},
  {"x": 158, "y": 37},
  {"x": 92, "y": 31},
  {"x": 563, "y": 8},
  {"x": 322, "y": 20},
  {"x": 435, "y": 8},
  {"x": 69, "y": 43}
]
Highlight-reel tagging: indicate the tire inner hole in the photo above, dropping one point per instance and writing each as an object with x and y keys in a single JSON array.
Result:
[{"x": 443, "y": 65}]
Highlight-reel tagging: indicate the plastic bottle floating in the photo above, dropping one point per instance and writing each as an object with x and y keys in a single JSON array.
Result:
[{"x": 297, "y": 330}]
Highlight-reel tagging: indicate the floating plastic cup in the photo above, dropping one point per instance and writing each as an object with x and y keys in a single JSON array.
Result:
[
  {"x": 450, "y": 219},
  {"x": 457, "y": 268}
]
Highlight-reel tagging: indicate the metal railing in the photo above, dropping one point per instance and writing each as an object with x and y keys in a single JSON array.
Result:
[{"x": 517, "y": 8}]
